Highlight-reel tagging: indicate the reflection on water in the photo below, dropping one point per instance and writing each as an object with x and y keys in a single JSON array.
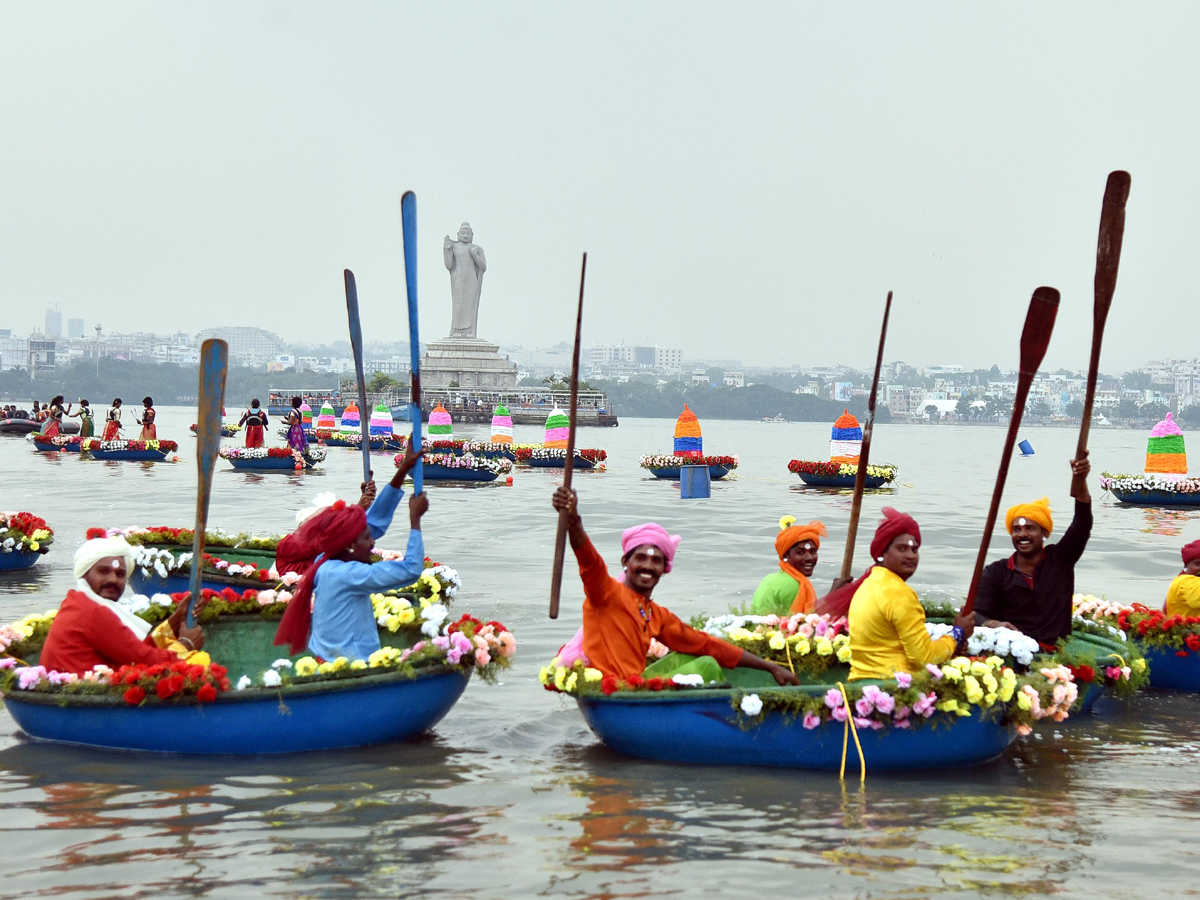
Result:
[{"x": 514, "y": 797}]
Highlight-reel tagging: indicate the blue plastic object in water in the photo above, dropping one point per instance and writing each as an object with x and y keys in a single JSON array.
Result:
[
  {"x": 1167, "y": 670},
  {"x": 695, "y": 483},
  {"x": 1026, "y": 448}
]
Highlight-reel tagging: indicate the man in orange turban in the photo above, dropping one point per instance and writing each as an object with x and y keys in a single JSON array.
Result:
[
  {"x": 789, "y": 591},
  {"x": 1032, "y": 589}
]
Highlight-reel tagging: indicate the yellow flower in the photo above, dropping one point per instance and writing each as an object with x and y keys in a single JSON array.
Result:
[
  {"x": 545, "y": 675},
  {"x": 950, "y": 673},
  {"x": 560, "y": 677},
  {"x": 980, "y": 668},
  {"x": 34, "y": 545},
  {"x": 740, "y": 634},
  {"x": 569, "y": 684},
  {"x": 989, "y": 699},
  {"x": 843, "y": 654},
  {"x": 995, "y": 662},
  {"x": 824, "y": 647},
  {"x": 340, "y": 663},
  {"x": 1139, "y": 665},
  {"x": 306, "y": 666},
  {"x": 802, "y": 646},
  {"x": 974, "y": 691},
  {"x": 391, "y": 623},
  {"x": 989, "y": 682},
  {"x": 1023, "y": 701},
  {"x": 407, "y": 615},
  {"x": 1006, "y": 691},
  {"x": 776, "y": 641},
  {"x": 358, "y": 664},
  {"x": 947, "y": 705},
  {"x": 592, "y": 675},
  {"x": 382, "y": 657},
  {"x": 961, "y": 662},
  {"x": 325, "y": 668},
  {"x": 964, "y": 710}
]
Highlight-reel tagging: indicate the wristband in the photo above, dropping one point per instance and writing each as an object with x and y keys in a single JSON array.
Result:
[{"x": 190, "y": 645}]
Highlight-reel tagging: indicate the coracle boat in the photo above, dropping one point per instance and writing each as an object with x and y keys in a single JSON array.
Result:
[
  {"x": 1170, "y": 644},
  {"x": 22, "y": 424},
  {"x": 448, "y": 467},
  {"x": 354, "y": 439},
  {"x": 60, "y": 444},
  {"x": 840, "y": 475},
  {"x": 139, "y": 451},
  {"x": 586, "y": 459},
  {"x": 484, "y": 449},
  {"x": 669, "y": 466},
  {"x": 1151, "y": 490},
  {"x": 23, "y": 538},
  {"x": 272, "y": 459},
  {"x": 257, "y": 701}
]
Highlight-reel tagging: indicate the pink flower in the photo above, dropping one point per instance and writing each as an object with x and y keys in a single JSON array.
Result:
[
  {"x": 811, "y": 720},
  {"x": 863, "y": 706},
  {"x": 901, "y": 723},
  {"x": 1023, "y": 730},
  {"x": 441, "y": 642},
  {"x": 903, "y": 680},
  {"x": 885, "y": 703},
  {"x": 7, "y": 663},
  {"x": 868, "y": 723},
  {"x": 482, "y": 658},
  {"x": 62, "y": 677},
  {"x": 901, "y": 712},
  {"x": 840, "y": 714},
  {"x": 290, "y": 578},
  {"x": 266, "y": 598},
  {"x": 833, "y": 699},
  {"x": 805, "y": 630},
  {"x": 933, "y": 670},
  {"x": 508, "y": 644},
  {"x": 29, "y": 676}
]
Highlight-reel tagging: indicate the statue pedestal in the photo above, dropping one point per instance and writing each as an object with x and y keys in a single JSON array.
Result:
[{"x": 469, "y": 362}]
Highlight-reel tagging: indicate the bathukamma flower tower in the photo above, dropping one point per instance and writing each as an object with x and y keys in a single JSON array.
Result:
[
  {"x": 306, "y": 417},
  {"x": 845, "y": 441},
  {"x": 1166, "y": 457},
  {"x": 502, "y": 427},
  {"x": 688, "y": 440},
  {"x": 351, "y": 422},
  {"x": 441, "y": 427},
  {"x": 326, "y": 420},
  {"x": 381, "y": 421},
  {"x": 558, "y": 428}
]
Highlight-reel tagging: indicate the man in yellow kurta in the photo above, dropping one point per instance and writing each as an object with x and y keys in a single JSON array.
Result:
[
  {"x": 1183, "y": 596},
  {"x": 887, "y": 621}
]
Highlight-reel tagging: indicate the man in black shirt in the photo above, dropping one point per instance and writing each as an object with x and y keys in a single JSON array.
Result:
[{"x": 1031, "y": 591}]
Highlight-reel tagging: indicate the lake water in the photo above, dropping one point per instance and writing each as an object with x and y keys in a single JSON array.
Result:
[{"x": 512, "y": 796}]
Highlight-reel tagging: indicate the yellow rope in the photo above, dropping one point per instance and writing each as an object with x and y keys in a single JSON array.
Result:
[
  {"x": 788, "y": 647},
  {"x": 851, "y": 727}
]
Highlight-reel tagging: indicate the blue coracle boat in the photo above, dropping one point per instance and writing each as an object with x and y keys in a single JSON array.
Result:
[
  {"x": 672, "y": 472},
  {"x": 1154, "y": 497},
  {"x": 17, "y": 560},
  {"x": 814, "y": 479},
  {"x": 1167, "y": 670}
]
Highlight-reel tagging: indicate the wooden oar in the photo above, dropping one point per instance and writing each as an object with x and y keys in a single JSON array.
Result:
[
  {"x": 560, "y": 538},
  {"x": 860, "y": 480},
  {"x": 214, "y": 362},
  {"x": 1039, "y": 324},
  {"x": 408, "y": 220},
  {"x": 356, "y": 345},
  {"x": 1108, "y": 259}
]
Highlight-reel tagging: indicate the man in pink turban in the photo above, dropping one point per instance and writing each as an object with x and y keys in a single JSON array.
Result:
[{"x": 619, "y": 618}]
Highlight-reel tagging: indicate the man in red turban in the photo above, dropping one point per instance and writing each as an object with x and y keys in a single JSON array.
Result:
[{"x": 1183, "y": 596}]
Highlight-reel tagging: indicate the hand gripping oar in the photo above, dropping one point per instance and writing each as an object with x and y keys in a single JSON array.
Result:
[
  {"x": 860, "y": 480},
  {"x": 214, "y": 361},
  {"x": 408, "y": 219},
  {"x": 1108, "y": 259},
  {"x": 356, "y": 344},
  {"x": 560, "y": 538},
  {"x": 1039, "y": 323}
]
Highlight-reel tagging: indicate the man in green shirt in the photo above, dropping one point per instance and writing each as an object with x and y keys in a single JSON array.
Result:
[{"x": 788, "y": 591}]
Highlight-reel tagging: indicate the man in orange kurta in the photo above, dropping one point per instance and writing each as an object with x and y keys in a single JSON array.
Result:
[{"x": 619, "y": 618}]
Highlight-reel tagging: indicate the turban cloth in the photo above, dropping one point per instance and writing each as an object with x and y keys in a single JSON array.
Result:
[
  {"x": 1191, "y": 551},
  {"x": 1037, "y": 512},
  {"x": 100, "y": 548},
  {"x": 791, "y": 534},
  {"x": 326, "y": 534},
  {"x": 893, "y": 525},
  {"x": 653, "y": 534}
]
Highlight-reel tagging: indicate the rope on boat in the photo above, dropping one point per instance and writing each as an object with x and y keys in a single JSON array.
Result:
[{"x": 851, "y": 728}]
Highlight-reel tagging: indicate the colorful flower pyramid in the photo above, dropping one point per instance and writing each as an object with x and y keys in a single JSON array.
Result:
[
  {"x": 351, "y": 421},
  {"x": 326, "y": 420},
  {"x": 502, "y": 429},
  {"x": 381, "y": 420},
  {"x": 306, "y": 417},
  {"x": 845, "y": 443},
  {"x": 1165, "y": 453},
  {"x": 558, "y": 428},
  {"x": 441, "y": 428},
  {"x": 688, "y": 441}
]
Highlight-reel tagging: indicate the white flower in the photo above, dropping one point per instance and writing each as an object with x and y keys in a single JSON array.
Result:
[
  {"x": 243, "y": 683},
  {"x": 162, "y": 600},
  {"x": 434, "y": 615},
  {"x": 281, "y": 664},
  {"x": 690, "y": 680},
  {"x": 270, "y": 678},
  {"x": 752, "y": 704}
]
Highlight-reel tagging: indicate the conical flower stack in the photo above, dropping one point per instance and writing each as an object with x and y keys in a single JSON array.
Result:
[
  {"x": 502, "y": 427},
  {"x": 688, "y": 440},
  {"x": 558, "y": 428},
  {"x": 350, "y": 418},
  {"x": 441, "y": 428},
  {"x": 306, "y": 417},
  {"x": 1165, "y": 454},
  {"x": 845, "y": 443},
  {"x": 381, "y": 421},
  {"x": 326, "y": 420}
]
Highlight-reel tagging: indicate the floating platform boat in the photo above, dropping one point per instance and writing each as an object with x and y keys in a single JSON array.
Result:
[
  {"x": 814, "y": 479},
  {"x": 16, "y": 560},
  {"x": 66, "y": 445},
  {"x": 129, "y": 451},
  {"x": 582, "y": 464},
  {"x": 449, "y": 467},
  {"x": 1155, "y": 497},
  {"x": 271, "y": 459},
  {"x": 715, "y": 472},
  {"x": 451, "y": 473}
]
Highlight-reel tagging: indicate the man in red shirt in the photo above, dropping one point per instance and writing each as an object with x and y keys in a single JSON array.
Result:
[
  {"x": 92, "y": 629},
  {"x": 619, "y": 618}
]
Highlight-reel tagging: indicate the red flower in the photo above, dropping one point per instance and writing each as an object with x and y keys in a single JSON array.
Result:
[
  {"x": 657, "y": 684},
  {"x": 218, "y": 671},
  {"x": 636, "y": 681},
  {"x": 229, "y": 594},
  {"x": 610, "y": 684},
  {"x": 263, "y": 574},
  {"x": 166, "y": 687},
  {"x": 1181, "y": 653},
  {"x": 134, "y": 696},
  {"x": 1083, "y": 674},
  {"x": 206, "y": 694}
]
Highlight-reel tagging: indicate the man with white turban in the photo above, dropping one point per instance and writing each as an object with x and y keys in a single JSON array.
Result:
[{"x": 91, "y": 628}]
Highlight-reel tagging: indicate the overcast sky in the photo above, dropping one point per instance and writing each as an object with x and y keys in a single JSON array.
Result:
[{"x": 749, "y": 180}]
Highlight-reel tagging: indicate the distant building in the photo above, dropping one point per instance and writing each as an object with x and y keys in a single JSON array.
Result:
[
  {"x": 248, "y": 345},
  {"x": 75, "y": 328},
  {"x": 699, "y": 376},
  {"x": 53, "y": 324},
  {"x": 734, "y": 379}
]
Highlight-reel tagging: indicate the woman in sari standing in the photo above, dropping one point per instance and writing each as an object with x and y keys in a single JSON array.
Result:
[
  {"x": 297, "y": 440},
  {"x": 149, "y": 431},
  {"x": 112, "y": 421},
  {"x": 84, "y": 415}
]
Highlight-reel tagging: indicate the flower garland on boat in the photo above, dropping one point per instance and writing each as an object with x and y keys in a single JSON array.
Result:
[
  {"x": 60, "y": 440},
  {"x": 806, "y": 643},
  {"x": 478, "y": 446},
  {"x": 23, "y": 532},
  {"x": 1148, "y": 627},
  {"x": 592, "y": 455},
  {"x": 310, "y": 454},
  {"x": 885, "y": 471},
  {"x": 466, "y": 462},
  {"x": 136, "y": 684},
  {"x": 97, "y": 444},
  {"x": 668, "y": 461},
  {"x": 1121, "y": 482},
  {"x": 183, "y": 537},
  {"x": 355, "y": 437},
  {"x": 25, "y": 637}
]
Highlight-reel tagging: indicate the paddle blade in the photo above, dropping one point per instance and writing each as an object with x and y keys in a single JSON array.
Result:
[
  {"x": 356, "y": 345},
  {"x": 1108, "y": 245},
  {"x": 1039, "y": 324},
  {"x": 408, "y": 222},
  {"x": 214, "y": 362}
]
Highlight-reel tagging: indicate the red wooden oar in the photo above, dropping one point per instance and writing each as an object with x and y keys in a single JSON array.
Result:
[
  {"x": 1039, "y": 323},
  {"x": 560, "y": 538},
  {"x": 860, "y": 480},
  {"x": 1108, "y": 259}
]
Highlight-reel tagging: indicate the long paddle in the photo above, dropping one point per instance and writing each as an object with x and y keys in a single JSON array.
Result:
[
  {"x": 1108, "y": 259},
  {"x": 1039, "y": 323},
  {"x": 408, "y": 220},
  {"x": 356, "y": 344},
  {"x": 860, "y": 480},
  {"x": 560, "y": 538},
  {"x": 214, "y": 361}
]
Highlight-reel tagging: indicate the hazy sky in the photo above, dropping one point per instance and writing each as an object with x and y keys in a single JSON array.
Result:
[{"x": 749, "y": 180}]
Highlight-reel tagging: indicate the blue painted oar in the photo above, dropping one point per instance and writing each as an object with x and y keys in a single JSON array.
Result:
[
  {"x": 356, "y": 344},
  {"x": 408, "y": 218},
  {"x": 214, "y": 361}
]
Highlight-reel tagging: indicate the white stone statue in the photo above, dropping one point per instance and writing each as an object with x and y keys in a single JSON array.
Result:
[{"x": 466, "y": 263}]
